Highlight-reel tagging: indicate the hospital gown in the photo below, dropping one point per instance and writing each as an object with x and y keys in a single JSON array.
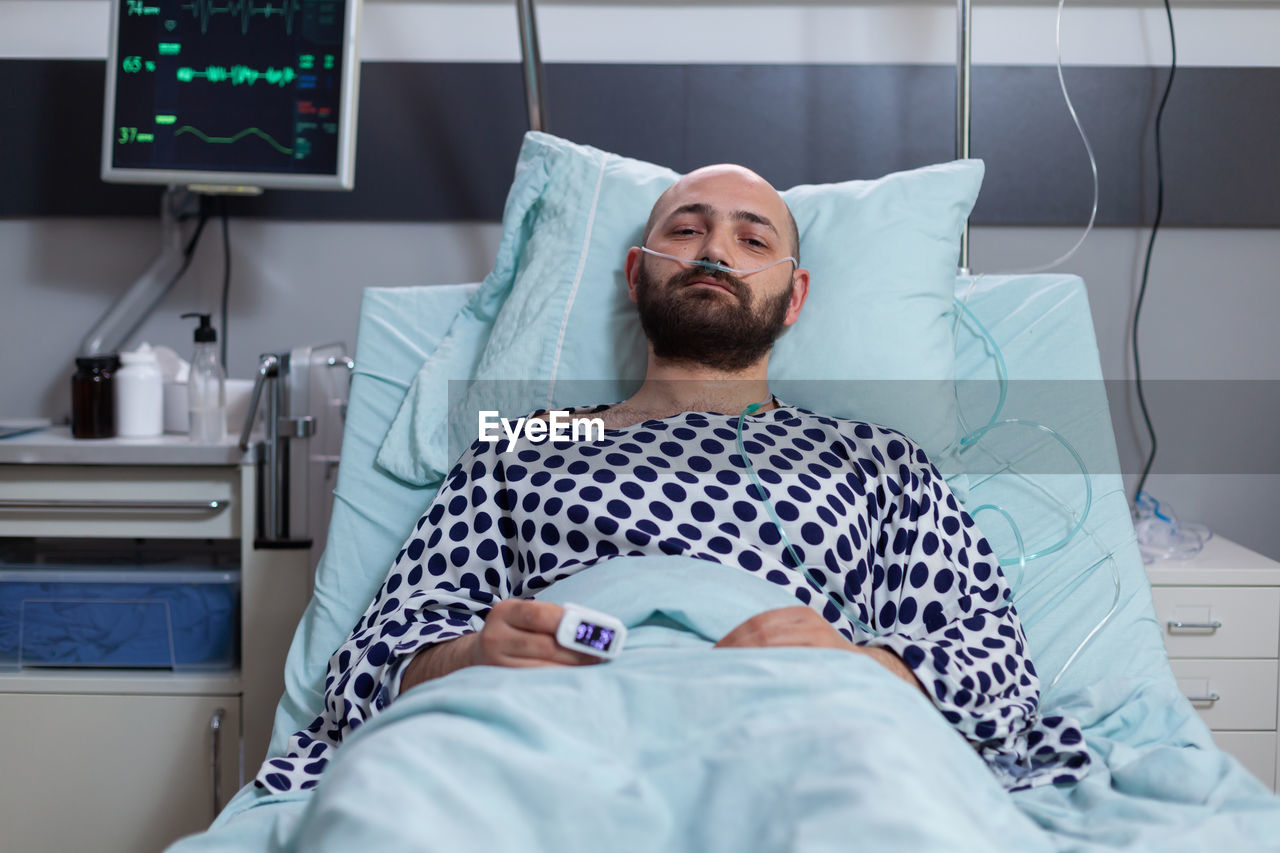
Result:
[{"x": 863, "y": 507}]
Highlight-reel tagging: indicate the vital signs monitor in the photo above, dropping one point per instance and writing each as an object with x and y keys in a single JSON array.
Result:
[{"x": 251, "y": 93}]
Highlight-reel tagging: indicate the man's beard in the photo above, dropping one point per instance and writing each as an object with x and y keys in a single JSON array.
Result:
[{"x": 705, "y": 326}]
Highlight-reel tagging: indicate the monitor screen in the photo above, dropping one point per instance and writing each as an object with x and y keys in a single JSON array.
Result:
[{"x": 258, "y": 93}]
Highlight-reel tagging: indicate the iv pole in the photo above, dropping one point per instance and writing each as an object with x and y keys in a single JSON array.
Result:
[
  {"x": 964, "y": 49},
  {"x": 535, "y": 95}
]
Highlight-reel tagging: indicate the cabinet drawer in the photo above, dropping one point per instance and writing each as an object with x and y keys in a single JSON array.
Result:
[
  {"x": 1255, "y": 750},
  {"x": 113, "y": 774},
  {"x": 1238, "y": 622},
  {"x": 157, "y": 502},
  {"x": 1245, "y": 691}
]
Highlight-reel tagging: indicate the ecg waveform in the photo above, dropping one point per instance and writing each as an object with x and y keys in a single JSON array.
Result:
[
  {"x": 227, "y": 140},
  {"x": 203, "y": 10},
  {"x": 239, "y": 75}
]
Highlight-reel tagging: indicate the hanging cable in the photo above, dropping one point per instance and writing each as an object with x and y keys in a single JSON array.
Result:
[
  {"x": 189, "y": 250},
  {"x": 1146, "y": 266},
  {"x": 1088, "y": 148},
  {"x": 226, "y": 277}
]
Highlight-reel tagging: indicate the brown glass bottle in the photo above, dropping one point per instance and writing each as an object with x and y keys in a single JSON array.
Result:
[{"x": 93, "y": 397}]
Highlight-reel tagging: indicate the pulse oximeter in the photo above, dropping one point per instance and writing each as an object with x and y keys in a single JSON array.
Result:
[{"x": 591, "y": 632}]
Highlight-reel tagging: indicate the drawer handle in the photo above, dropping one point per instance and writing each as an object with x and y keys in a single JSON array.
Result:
[
  {"x": 117, "y": 505},
  {"x": 1212, "y": 697},
  {"x": 215, "y": 757},
  {"x": 1203, "y": 626}
]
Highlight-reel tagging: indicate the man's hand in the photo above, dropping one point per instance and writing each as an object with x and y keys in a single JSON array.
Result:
[
  {"x": 516, "y": 633},
  {"x": 789, "y": 626},
  {"x": 522, "y": 633},
  {"x": 803, "y": 626}
]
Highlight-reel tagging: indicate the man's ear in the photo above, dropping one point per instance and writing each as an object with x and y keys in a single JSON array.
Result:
[
  {"x": 799, "y": 293},
  {"x": 632, "y": 270}
]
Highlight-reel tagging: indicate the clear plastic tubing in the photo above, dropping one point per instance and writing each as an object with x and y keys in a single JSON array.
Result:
[{"x": 712, "y": 266}]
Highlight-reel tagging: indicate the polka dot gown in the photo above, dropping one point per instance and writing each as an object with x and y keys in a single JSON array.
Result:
[{"x": 865, "y": 510}]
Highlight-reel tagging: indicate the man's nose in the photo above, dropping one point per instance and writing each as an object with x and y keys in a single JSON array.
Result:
[{"x": 717, "y": 248}]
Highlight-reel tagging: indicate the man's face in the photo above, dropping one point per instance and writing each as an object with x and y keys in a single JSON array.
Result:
[{"x": 710, "y": 317}]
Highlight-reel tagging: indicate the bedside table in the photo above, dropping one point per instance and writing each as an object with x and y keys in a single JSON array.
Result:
[
  {"x": 153, "y": 753},
  {"x": 1220, "y": 615}
]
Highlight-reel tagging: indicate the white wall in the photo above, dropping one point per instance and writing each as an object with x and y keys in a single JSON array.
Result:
[
  {"x": 1095, "y": 32},
  {"x": 293, "y": 283}
]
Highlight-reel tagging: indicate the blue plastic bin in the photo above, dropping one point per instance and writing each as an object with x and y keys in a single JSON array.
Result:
[{"x": 108, "y": 617}]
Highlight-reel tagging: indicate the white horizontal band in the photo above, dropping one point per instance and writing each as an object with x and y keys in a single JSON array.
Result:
[{"x": 1131, "y": 34}]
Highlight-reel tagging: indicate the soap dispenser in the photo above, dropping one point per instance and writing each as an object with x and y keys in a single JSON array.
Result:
[{"x": 207, "y": 387}]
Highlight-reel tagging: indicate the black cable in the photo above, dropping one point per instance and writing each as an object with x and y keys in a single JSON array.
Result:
[
  {"x": 226, "y": 277},
  {"x": 1146, "y": 266},
  {"x": 189, "y": 251}
]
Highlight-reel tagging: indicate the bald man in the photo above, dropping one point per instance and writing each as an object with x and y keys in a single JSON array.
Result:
[{"x": 881, "y": 559}]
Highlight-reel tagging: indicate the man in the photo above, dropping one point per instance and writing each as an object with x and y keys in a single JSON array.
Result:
[{"x": 881, "y": 559}]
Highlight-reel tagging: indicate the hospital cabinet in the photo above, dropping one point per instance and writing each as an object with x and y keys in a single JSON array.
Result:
[
  {"x": 1220, "y": 616},
  {"x": 113, "y": 758}
]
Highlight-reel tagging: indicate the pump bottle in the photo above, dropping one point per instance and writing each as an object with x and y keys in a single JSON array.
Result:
[{"x": 207, "y": 387}]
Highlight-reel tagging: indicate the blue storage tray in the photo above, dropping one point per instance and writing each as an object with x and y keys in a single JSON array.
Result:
[{"x": 90, "y": 617}]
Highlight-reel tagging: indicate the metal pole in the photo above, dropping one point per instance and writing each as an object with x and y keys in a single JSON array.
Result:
[
  {"x": 535, "y": 95},
  {"x": 964, "y": 48}
]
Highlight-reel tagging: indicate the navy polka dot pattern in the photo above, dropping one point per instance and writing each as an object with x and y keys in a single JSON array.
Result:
[{"x": 865, "y": 510}]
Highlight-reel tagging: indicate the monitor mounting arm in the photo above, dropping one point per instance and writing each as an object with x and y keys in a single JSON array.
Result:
[{"x": 128, "y": 312}]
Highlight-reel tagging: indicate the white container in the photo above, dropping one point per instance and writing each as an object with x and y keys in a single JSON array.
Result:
[
  {"x": 177, "y": 418},
  {"x": 239, "y": 395},
  {"x": 176, "y": 409},
  {"x": 139, "y": 395}
]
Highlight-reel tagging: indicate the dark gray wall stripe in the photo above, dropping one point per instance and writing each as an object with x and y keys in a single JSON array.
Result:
[{"x": 437, "y": 141}]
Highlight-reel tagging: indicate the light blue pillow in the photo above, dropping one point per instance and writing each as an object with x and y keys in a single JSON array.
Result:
[
  {"x": 414, "y": 449},
  {"x": 874, "y": 341}
]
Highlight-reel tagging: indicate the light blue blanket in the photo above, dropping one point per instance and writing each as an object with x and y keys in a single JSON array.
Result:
[{"x": 677, "y": 746}]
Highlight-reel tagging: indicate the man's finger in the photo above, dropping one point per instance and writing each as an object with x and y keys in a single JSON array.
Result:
[
  {"x": 528, "y": 663},
  {"x": 530, "y": 646},
  {"x": 539, "y": 617}
]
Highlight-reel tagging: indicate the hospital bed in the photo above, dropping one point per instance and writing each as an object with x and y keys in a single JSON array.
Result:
[{"x": 1157, "y": 780}]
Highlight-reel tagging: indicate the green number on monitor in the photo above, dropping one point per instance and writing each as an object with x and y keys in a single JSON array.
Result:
[
  {"x": 132, "y": 64},
  {"x": 127, "y": 134}
]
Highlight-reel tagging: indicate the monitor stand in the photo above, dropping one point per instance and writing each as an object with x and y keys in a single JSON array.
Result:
[{"x": 124, "y": 317}]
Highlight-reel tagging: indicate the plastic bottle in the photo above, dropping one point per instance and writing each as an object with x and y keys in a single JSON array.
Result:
[
  {"x": 139, "y": 395},
  {"x": 207, "y": 387},
  {"x": 93, "y": 397}
]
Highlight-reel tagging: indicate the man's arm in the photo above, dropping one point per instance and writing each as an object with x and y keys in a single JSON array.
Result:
[{"x": 438, "y": 661}]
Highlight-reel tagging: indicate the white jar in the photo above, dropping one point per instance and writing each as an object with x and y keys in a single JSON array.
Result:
[{"x": 139, "y": 395}]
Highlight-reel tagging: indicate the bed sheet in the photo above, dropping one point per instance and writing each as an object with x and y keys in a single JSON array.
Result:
[
  {"x": 1120, "y": 685},
  {"x": 742, "y": 749}
]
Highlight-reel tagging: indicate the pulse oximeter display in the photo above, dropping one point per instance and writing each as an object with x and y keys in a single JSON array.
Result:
[
  {"x": 597, "y": 637},
  {"x": 591, "y": 632}
]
